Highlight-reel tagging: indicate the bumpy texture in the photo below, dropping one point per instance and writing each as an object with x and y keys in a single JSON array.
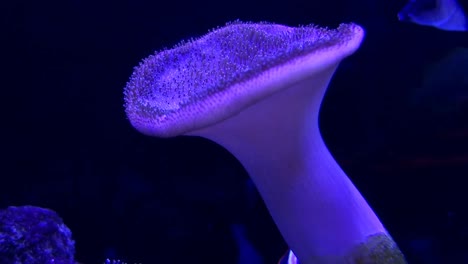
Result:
[
  {"x": 30, "y": 235},
  {"x": 170, "y": 80},
  {"x": 113, "y": 261},
  {"x": 378, "y": 249}
]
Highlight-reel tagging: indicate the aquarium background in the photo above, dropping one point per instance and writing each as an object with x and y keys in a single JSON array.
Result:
[{"x": 395, "y": 117}]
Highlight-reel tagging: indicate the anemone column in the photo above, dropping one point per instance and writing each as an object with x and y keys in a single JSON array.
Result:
[{"x": 256, "y": 89}]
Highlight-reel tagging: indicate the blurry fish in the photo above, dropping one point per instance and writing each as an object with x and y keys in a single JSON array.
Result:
[{"x": 442, "y": 14}]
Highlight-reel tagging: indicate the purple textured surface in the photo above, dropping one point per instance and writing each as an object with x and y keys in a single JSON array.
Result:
[{"x": 30, "y": 235}]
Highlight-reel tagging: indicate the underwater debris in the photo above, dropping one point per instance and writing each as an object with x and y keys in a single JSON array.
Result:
[{"x": 113, "y": 261}]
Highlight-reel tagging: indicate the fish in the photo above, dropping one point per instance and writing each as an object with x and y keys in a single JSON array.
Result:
[{"x": 445, "y": 15}]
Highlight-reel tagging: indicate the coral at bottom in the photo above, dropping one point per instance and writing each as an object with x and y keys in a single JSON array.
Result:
[{"x": 30, "y": 235}]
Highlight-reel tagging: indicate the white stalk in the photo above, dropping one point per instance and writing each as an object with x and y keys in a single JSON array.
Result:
[{"x": 315, "y": 206}]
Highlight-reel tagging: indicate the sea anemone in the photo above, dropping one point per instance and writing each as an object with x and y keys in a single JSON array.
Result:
[{"x": 256, "y": 90}]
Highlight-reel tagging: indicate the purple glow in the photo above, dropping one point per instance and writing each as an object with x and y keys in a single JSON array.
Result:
[
  {"x": 196, "y": 83},
  {"x": 256, "y": 89}
]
